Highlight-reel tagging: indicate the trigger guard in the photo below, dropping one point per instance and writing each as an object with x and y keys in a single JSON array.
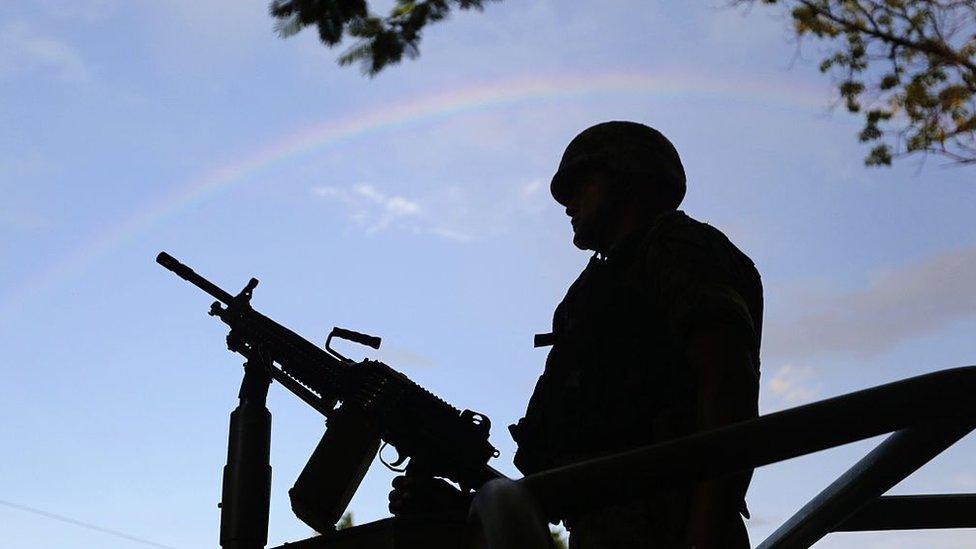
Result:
[{"x": 395, "y": 465}]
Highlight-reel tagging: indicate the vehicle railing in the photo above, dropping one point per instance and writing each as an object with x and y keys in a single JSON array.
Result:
[{"x": 926, "y": 414}]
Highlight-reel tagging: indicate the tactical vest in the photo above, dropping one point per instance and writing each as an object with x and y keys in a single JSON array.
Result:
[{"x": 613, "y": 379}]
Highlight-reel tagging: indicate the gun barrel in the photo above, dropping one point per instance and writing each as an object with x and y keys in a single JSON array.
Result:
[{"x": 192, "y": 277}]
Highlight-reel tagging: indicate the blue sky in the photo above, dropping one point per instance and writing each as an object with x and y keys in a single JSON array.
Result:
[{"x": 435, "y": 232}]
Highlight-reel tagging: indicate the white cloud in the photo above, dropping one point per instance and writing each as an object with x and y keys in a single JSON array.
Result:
[
  {"x": 388, "y": 209},
  {"x": 370, "y": 193},
  {"x": 27, "y": 49},
  {"x": 899, "y": 304},
  {"x": 393, "y": 205},
  {"x": 792, "y": 385},
  {"x": 401, "y": 206},
  {"x": 450, "y": 212},
  {"x": 377, "y": 211}
]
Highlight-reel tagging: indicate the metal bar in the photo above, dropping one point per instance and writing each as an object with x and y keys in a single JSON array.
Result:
[
  {"x": 894, "y": 459},
  {"x": 749, "y": 444},
  {"x": 913, "y": 513}
]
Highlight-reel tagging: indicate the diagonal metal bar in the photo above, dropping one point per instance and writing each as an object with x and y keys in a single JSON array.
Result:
[
  {"x": 913, "y": 513},
  {"x": 894, "y": 459}
]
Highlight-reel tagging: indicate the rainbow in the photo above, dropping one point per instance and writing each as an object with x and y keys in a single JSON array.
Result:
[{"x": 427, "y": 107}]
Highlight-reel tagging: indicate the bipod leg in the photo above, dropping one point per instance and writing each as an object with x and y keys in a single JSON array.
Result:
[{"x": 246, "y": 494}]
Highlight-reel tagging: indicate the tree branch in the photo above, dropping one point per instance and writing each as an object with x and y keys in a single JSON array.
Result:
[{"x": 931, "y": 47}]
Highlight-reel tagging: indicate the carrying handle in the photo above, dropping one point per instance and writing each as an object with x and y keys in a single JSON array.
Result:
[
  {"x": 356, "y": 337},
  {"x": 349, "y": 335}
]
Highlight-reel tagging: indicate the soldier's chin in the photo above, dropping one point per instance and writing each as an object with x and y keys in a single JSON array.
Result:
[{"x": 581, "y": 241}]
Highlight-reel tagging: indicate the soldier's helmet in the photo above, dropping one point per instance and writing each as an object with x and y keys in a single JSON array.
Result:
[{"x": 638, "y": 153}]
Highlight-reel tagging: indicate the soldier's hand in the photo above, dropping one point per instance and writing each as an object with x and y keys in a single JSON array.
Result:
[{"x": 419, "y": 495}]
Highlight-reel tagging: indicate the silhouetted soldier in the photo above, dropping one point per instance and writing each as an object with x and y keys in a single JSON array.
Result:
[{"x": 657, "y": 338}]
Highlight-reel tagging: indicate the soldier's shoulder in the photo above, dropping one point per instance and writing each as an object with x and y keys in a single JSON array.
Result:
[
  {"x": 676, "y": 229},
  {"x": 677, "y": 235}
]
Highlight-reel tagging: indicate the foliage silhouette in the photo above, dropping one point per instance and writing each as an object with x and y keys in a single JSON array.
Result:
[
  {"x": 382, "y": 41},
  {"x": 908, "y": 65}
]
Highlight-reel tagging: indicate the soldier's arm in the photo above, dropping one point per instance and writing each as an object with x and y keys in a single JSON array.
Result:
[
  {"x": 711, "y": 324},
  {"x": 726, "y": 379}
]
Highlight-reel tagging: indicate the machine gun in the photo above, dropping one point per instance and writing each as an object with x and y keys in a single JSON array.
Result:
[{"x": 365, "y": 403}]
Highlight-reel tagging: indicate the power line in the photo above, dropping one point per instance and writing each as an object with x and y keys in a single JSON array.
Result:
[{"x": 89, "y": 526}]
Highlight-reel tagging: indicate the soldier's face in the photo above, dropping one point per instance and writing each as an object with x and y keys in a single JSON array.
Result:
[{"x": 587, "y": 208}]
